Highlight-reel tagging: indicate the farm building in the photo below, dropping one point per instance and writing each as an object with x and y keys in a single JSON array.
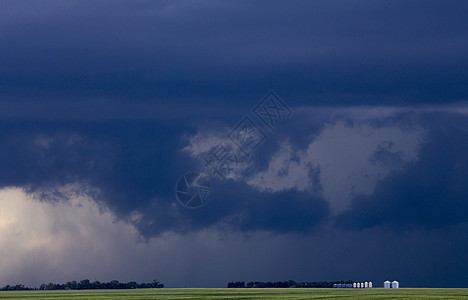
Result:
[
  {"x": 386, "y": 284},
  {"x": 342, "y": 285},
  {"x": 367, "y": 284},
  {"x": 395, "y": 284}
]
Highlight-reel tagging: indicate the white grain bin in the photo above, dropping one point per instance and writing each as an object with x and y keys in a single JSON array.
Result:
[
  {"x": 386, "y": 284},
  {"x": 366, "y": 284},
  {"x": 362, "y": 284},
  {"x": 370, "y": 284},
  {"x": 354, "y": 284},
  {"x": 395, "y": 284}
]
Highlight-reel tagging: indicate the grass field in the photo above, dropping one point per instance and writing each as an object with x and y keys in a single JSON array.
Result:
[{"x": 376, "y": 293}]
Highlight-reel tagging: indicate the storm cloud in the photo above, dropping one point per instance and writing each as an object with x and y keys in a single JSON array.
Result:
[{"x": 104, "y": 106}]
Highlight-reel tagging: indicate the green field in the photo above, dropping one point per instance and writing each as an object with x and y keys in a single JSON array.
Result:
[{"x": 376, "y": 293}]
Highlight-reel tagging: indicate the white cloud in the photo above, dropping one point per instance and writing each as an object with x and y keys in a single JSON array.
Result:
[
  {"x": 287, "y": 169},
  {"x": 348, "y": 156},
  {"x": 342, "y": 154}
]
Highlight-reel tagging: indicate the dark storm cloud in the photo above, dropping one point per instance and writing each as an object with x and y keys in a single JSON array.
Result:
[
  {"x": 106, "y": 94},
  {"x": 239, "y": 207},
  {"x": 129, "y": 162},
  {"x": 201, "y": 52},
  {"x": 134, "y": 166},
  {"x": 135, "y": 163},
  {"x": 428, "y": 193}
]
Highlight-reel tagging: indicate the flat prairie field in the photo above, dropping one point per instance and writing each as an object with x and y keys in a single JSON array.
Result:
[{"x": 202, "y": 293}]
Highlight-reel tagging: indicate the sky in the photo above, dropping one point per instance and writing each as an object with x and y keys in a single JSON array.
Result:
[{"x": 345, "y": 124}]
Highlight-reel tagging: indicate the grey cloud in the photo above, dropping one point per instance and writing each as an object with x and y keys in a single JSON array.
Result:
[
  {"x": 134, "y": 164},
  {"x": 428, "y": 193},
  {"x": 74, "y": 240},
  {"x": 314, "y": 52},
  {"x": 385, "y": 156}
]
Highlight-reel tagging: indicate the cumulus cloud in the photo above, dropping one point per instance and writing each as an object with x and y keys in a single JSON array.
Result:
[
  {"x": 343, "y": 160},
  {"x": 347, "y": 153}
]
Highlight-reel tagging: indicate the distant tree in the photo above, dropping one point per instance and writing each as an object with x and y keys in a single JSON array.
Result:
[
  {"x": 289, "y": 283},
  {"x": 86, "y": 284},
  {"x": 114, "y": 284},
  {"x": 96, "y": 285},
  {"x": 238, "y": 284},
  {"x": 157, "y": 285}
]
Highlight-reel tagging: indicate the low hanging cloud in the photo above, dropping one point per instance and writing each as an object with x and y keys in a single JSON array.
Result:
[
  {"x": 320, "y": 167},
  {"x": 76, "y": 237},
  {"x": 96, "y": 200},
  {"x": 66, "y": 239}
]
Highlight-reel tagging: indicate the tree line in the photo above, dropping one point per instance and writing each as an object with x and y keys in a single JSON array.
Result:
[
  {"x": 85, "y": 284},
  {"x": 284, "y": 284}
]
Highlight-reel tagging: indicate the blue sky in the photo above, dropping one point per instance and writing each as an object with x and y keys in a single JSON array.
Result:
[{"x": 104, "y": 105}]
